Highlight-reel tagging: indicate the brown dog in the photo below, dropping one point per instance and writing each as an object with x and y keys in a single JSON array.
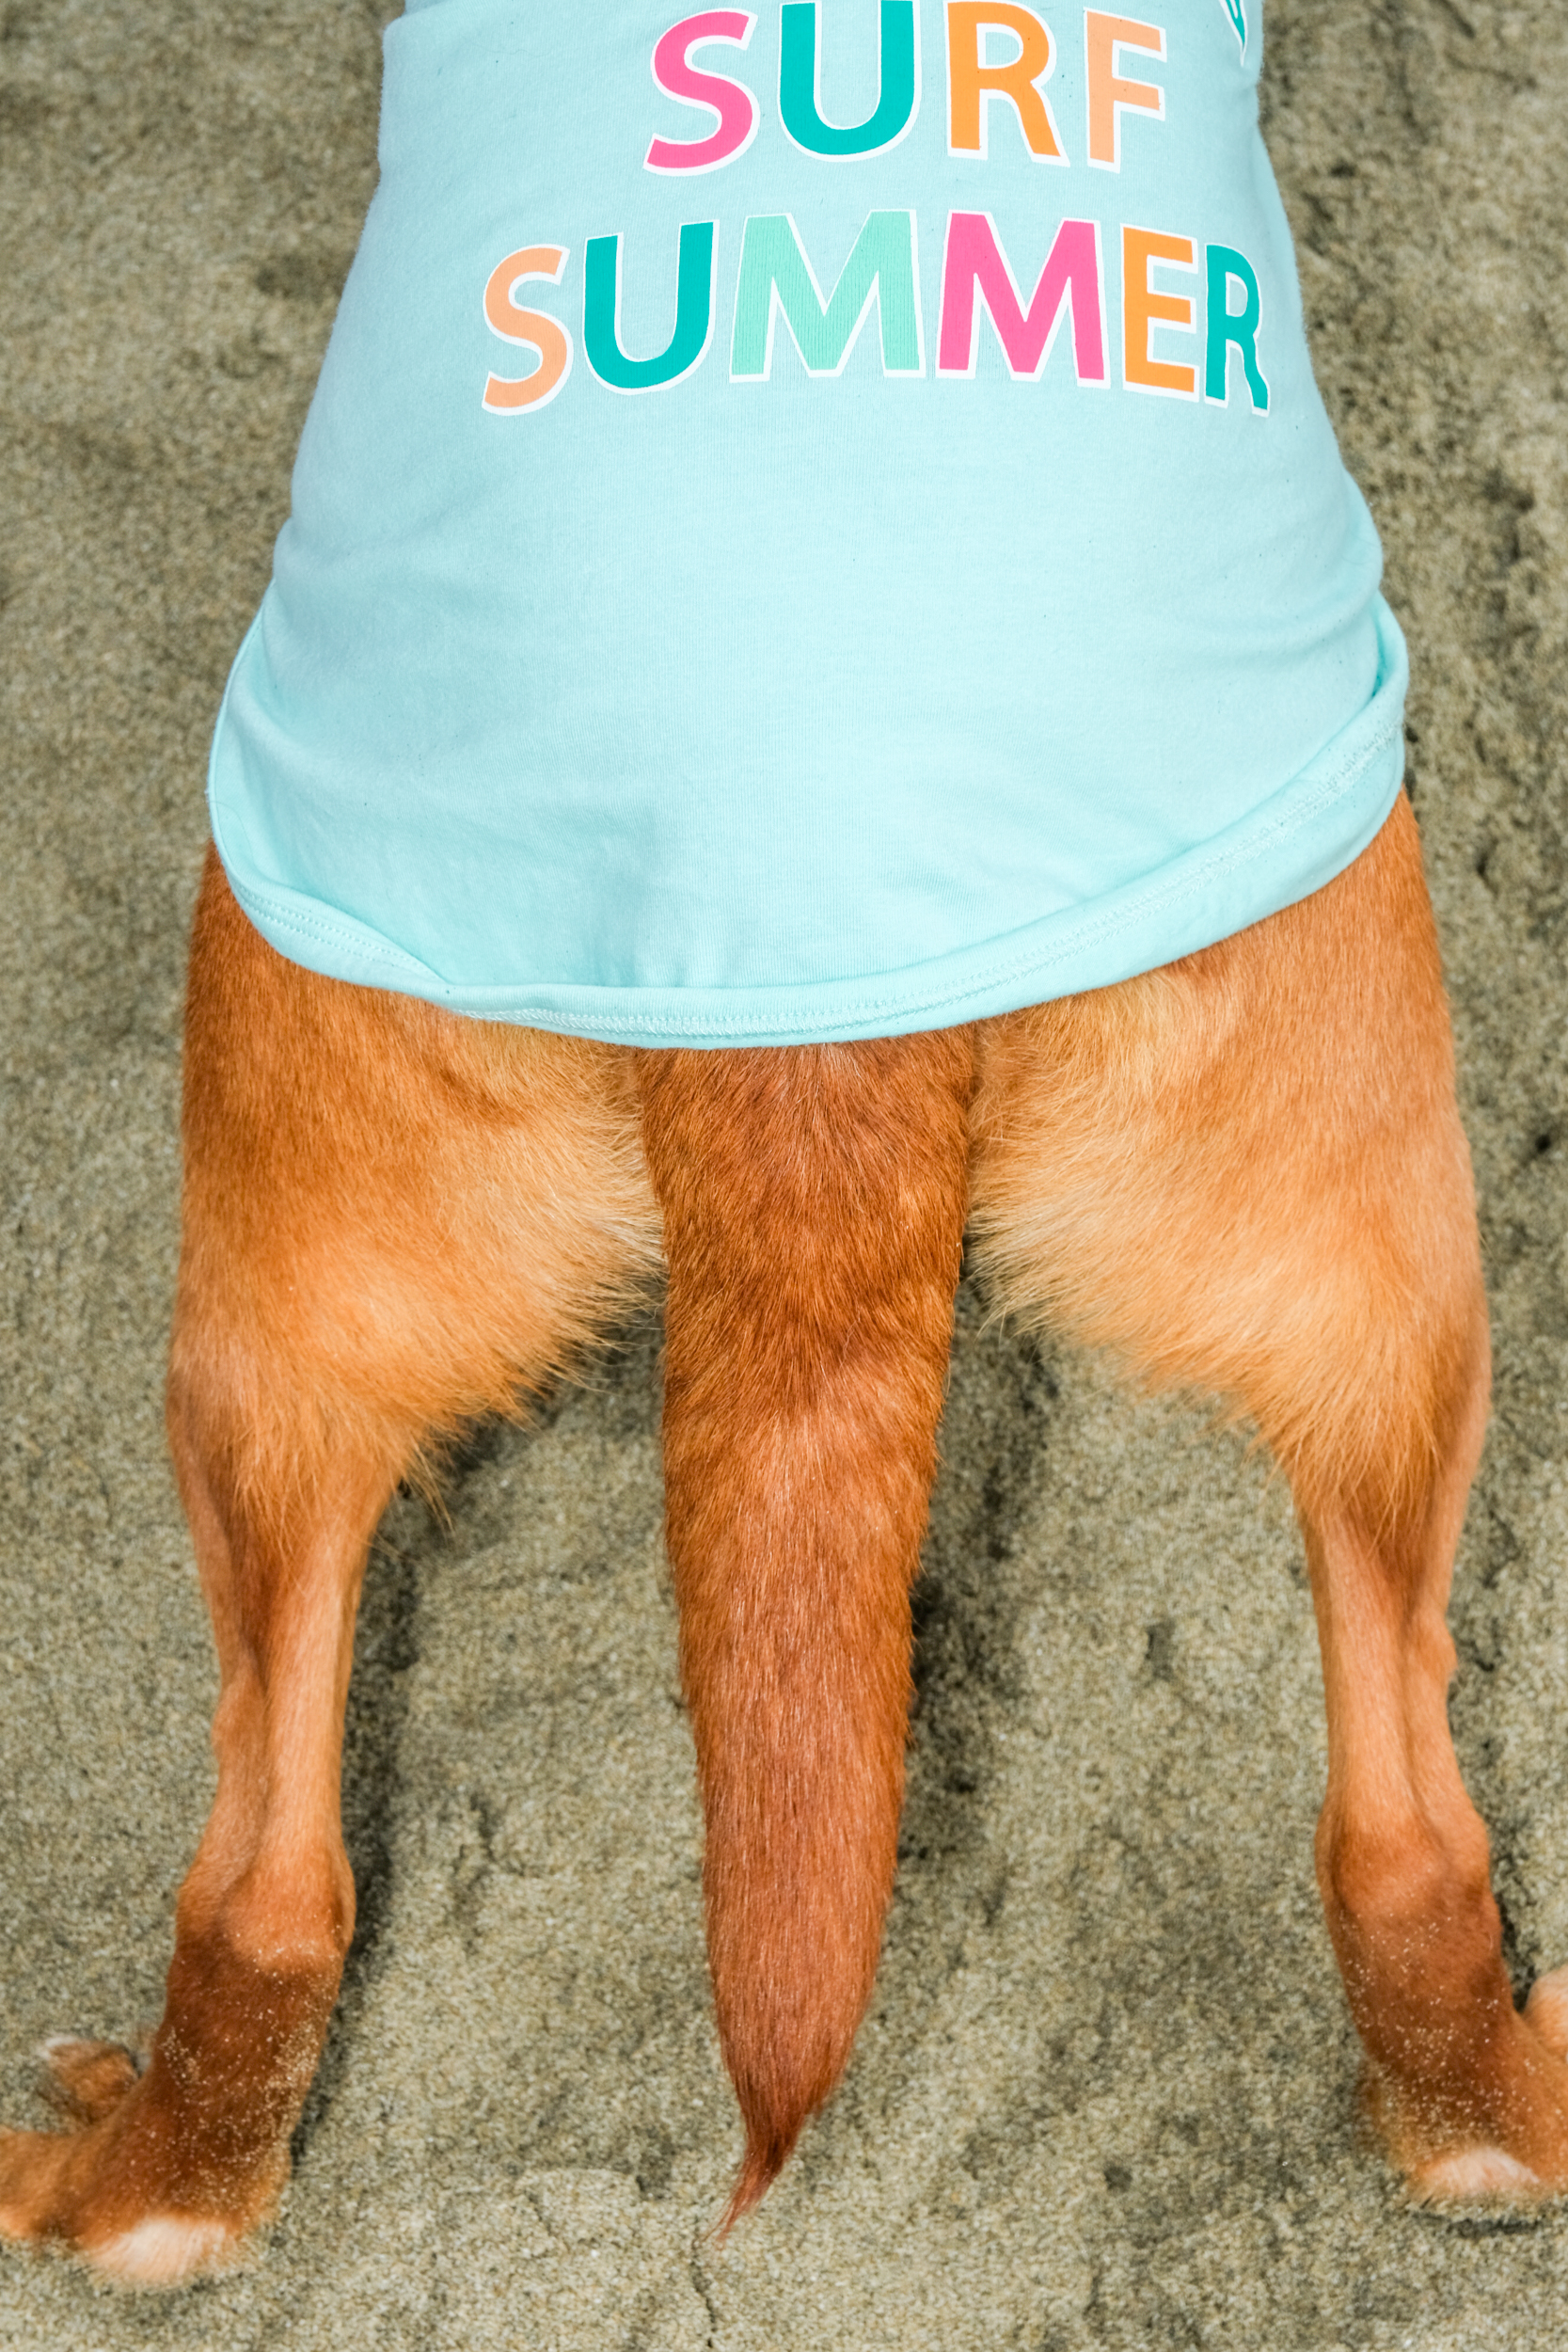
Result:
[{"x": 1244, "y": 1173}]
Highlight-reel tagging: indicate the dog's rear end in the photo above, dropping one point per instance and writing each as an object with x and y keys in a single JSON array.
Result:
[{"x": 1244, "y": 1173}]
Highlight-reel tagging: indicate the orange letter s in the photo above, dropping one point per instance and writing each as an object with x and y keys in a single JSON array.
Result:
[{"x": 507, "y": 395}]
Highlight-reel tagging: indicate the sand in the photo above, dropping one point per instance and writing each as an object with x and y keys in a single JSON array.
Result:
[{"x": 1106, "y": 2094}]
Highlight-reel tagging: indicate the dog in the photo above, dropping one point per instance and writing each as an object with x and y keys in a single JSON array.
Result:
[{"x": 1238, "y": 1167}]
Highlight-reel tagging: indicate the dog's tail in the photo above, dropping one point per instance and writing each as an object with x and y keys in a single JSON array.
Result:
[{"x": 814, "y": 1202}]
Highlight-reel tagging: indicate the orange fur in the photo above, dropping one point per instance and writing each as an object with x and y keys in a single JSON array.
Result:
[
  {"x": 814, "y": 1206},
  {"x": 1244, "y": 1174},
  {"x": 393, "y": 1220}
]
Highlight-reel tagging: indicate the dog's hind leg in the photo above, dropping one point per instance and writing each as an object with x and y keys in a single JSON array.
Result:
[
  {"x": 1247, "y": 1174},
  {"x": 813, "y": 1202},
  {"x": 393, "y": 1219}
]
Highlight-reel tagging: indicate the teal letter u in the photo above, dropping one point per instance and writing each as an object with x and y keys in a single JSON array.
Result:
[
  {"x": 601, "y": 313},
  {"x": 896, "y": 107}
]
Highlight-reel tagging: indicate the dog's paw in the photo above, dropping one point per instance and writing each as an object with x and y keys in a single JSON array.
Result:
[
  {"x": 1472, "y": 2177},
  {"x": 86, "y": 2079},
  {"x": 1546, "y": 2011},
  {"x": 165, "y": 2250},
  {"x": 114, "y": 2191},
  {"x": 1515, "y": 2157},
  {"x": 69, "y": 2190}
]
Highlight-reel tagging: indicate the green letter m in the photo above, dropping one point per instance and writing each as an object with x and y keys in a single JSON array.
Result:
[{"x": 775, "y": 275}]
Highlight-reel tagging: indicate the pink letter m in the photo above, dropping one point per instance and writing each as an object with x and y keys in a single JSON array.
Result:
[{"x": 976, "y": 264}]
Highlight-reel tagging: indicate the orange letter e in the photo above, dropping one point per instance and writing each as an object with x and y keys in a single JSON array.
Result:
[{"x": 1142, "y": 308}]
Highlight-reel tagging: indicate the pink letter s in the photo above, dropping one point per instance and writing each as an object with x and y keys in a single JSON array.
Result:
[{"x": 731, "y": 102}]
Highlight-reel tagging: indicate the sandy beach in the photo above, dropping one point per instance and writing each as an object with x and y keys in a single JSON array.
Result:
[{"x": 1106, "y": 2094}]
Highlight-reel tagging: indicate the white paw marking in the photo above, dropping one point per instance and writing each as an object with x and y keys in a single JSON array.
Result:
[
  {"x": 1478, "y": 2176},
  {"x": 163, "y": 2252}
]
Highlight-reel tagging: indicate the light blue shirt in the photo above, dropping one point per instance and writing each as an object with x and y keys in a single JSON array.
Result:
[{"x": 898, "y": 573}]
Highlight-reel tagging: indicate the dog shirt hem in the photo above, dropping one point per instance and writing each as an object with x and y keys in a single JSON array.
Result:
[{"x": 1299, "y": 839}]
